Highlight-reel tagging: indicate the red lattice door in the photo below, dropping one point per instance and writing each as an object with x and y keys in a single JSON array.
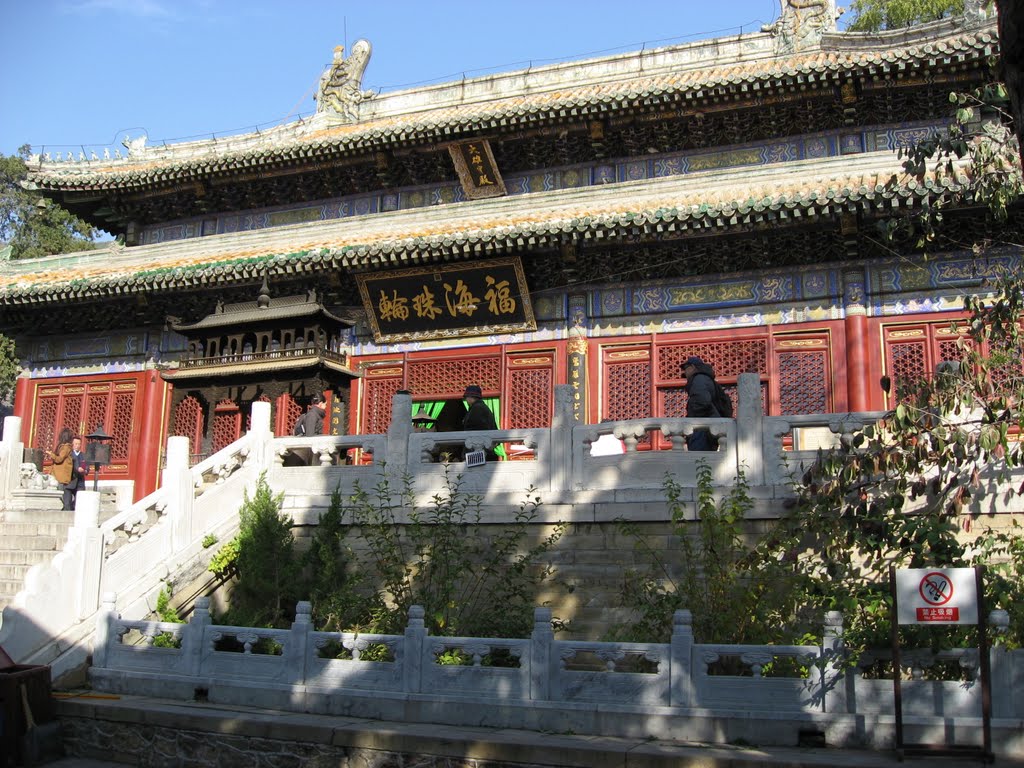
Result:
[
  {"x": 914, "y": 350},
  {"x": 529, "y": 401},
  {"x": 803, "y": 382},
  {"x": 379, "y": 387},
  {"x": 84, "y": 406},
  {"x": 286, "y": 413},
  {"x": 189, "y": 422},
  {"x": 226, "y": 426}
]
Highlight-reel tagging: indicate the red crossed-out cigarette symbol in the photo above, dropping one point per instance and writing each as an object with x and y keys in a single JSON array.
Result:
[{"x": 936, "y": 588}]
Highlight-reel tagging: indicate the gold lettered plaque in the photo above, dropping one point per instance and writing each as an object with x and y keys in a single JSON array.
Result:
[
  {"x": 478, "y": 173},
  {"x": 448, "y": 300}
]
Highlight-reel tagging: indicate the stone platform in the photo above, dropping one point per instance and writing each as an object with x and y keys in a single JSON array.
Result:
[{"x": 148, "y": 731}]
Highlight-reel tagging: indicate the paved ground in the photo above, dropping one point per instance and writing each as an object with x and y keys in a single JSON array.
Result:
[{"x": 506, "y": 746}]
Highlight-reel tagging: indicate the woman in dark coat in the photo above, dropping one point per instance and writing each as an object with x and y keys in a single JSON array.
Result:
[{"x": 62, "y": 461}]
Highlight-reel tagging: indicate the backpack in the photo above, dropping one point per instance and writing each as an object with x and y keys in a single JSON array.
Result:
[{"x": 722, "y": 401}]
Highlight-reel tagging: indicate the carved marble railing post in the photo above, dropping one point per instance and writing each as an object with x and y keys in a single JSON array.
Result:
[
  {"x": 415, "y": 635},
  {"x": 560, "y": 450},
  {"x": 749, "y": 429},
  {"x": 681, "y": 688},
  {"x": 11, "y": 452},
  {"x": 833, "y": 676},
  {"x": 106, "y": 617},
  {"x": 298, "y": 649},
  {"x": 87, "y": 549},
  {"x": 1006, "y": 671},
  {"x": 541, "y": 641},
  {"x": 192, "y": 637},
  {"x": 179, "y": 488},
  {"x": 399, "y": 430},
  {"x": 260, "y": 434}
]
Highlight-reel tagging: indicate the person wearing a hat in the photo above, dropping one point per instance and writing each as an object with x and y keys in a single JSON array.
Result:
[
  {"x": 312, "y": 421},
  {"x": 422, "y": 421},
  {"x": 479, "y": 416},
  {"x": 700, "y": 398}
]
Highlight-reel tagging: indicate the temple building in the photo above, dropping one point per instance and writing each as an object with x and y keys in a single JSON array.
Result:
[{"x": 592, "y": 223}]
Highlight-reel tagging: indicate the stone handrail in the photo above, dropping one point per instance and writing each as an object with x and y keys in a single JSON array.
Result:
[
  {"x": 132, "y": 552},
  {"x": 539, "y": 682}
]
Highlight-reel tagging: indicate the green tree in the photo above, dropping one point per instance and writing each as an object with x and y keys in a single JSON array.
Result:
[
  {"x": 876, "y": 15},
  {"x": 267, "y": 567},
  {"x": 920, "y": 488},
  {"x": 31, "y": 224},
  {"x": 9, "y": 367},
  {"x": 471, "y": 579},
  {"x": 734, "y": 595}
]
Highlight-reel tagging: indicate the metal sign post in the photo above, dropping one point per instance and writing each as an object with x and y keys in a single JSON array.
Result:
[{"x": 941, "y": 596}]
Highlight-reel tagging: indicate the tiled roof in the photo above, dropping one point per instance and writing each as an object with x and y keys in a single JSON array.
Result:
[
  {"x": 698, "y": 202},
  {"x": 315, "y": 140}
]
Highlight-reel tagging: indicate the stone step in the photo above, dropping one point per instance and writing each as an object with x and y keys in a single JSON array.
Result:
[
  {"x": 9, "y": 588},
  {"x": 47, "y": 543},
  {"x": 15, "y": 572},
  {"x": 34, "y": 529},
  {"x": 39, "y": 516},
  {"x": 25, "y": 556}
]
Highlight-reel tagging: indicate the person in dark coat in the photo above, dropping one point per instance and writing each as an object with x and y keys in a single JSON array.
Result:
[
  {"x": 700, "y": 402},
  {"x": 69, "y": 467},
  {"x": 311, "y": 423},
  {"x": 479, "y": 416}
]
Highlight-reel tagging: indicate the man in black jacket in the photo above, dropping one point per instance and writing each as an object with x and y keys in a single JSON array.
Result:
[
  {"x": 479, "y": 416},
  {"x": 311, "y": 423},
  {"x": 700, "y": 401}
]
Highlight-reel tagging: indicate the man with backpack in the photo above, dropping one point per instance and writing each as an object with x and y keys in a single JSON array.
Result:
[{"x": 705, "y": 397}]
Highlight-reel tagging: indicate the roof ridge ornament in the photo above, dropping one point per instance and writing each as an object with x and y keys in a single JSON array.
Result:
[
  {"x": 802, "y": 24},
  {"x": 263, "y": 300},
  {"x": 339, "y": 93},
  {"x": 136, "y": 147}
]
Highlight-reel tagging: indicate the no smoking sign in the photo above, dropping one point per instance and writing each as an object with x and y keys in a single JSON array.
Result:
[{"x": 936, "y": 595}]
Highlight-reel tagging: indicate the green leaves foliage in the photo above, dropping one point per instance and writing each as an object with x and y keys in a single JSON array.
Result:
[
  {"x": 716, "y": 572},
  {"x": 9, "y": 367},
  {"x": 876, "y": 15},
  {"x": 921, "y": 488},
  {"x": 471, "y": 578},
  {"x": 32, "y": 225}
]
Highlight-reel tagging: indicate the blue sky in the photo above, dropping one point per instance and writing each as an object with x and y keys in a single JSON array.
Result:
[{"x": 89, "y": 72}]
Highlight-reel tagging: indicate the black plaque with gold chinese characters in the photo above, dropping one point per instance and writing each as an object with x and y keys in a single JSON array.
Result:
[
  {"x": 478, "y": 173},
  {"x": 448, "y": 301}
]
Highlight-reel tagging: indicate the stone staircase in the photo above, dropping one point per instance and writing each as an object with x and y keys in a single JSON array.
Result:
[
  {"x": 35, "y": 535},
  {"x": 28, "y": 537}
]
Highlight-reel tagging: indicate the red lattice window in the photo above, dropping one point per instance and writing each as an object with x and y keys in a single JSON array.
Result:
[
  {"x": 121, "y": 428},
  {"x": 1012, "y": 370},
  {"x": 530, "y": 398},
  {"x": 804, "y": 382},
  {"x": 908, "y": 362},
  {"x": 72, "y": 411},
  {"x": 628, "y": 390},
  {"x": 728, "y": 358},
  {"x": 287, "y": 413},
  {"x": 673, "y": 402},
  {"x": 446, "y": 378},
  {"x": 188, "y": 422},
  {"x": 377, "y": 399},
  {"x": 46, "y": 423},
  {"x": 227, "y": 425},
  {"x": 96, "y": 411}
]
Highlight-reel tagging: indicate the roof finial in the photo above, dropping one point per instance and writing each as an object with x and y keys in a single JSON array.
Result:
[{"x": 263, "y": 300}]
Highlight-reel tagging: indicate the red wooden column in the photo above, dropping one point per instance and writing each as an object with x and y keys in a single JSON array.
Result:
[
  {"x": 155, "y": 392},
  {"x": 858, "y": 377},
  {"x": 22, "y": 406}
]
